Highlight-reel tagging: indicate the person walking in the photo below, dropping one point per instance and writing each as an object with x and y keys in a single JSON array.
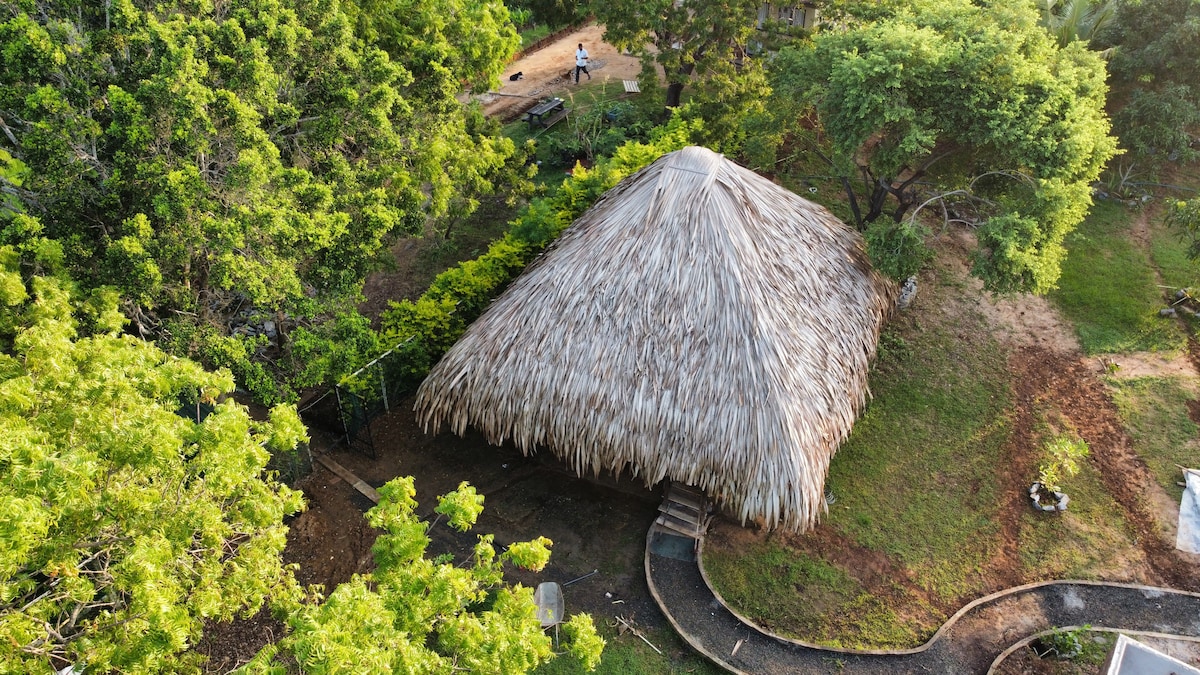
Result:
[{"x": 581, "y": 63}]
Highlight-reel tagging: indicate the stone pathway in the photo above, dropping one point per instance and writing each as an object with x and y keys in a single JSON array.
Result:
[{"x": 971, "y": 641}]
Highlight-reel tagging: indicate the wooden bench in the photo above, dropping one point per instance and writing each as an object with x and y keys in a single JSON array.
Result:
[
  {"x": 631, "y": 87},
  {"x": 546, "y": 113}
]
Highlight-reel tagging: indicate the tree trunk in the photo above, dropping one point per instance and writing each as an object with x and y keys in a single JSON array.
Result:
[
  {"x": 673, "y": 92},
  {"x": 858, "y": 219},
  {"x": 878, "y": 196},
  {"x": 907, "y": 199},
  {"x": 675, "y": 89}
]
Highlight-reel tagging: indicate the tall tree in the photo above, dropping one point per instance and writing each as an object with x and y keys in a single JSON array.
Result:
[
  {"x": 947, "y": 97},
  {"x": 123, "y": 525},
  {"x": 1155, "y": 66},
  {"x": 206, "y": 159},
  {"x": 443, "y": 43},
  {"x": 688, "y": 38}
]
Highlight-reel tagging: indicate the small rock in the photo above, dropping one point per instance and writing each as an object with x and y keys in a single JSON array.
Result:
[
  {"x": 908, "y": 291},
  {"x": 1167, "y": 311}
]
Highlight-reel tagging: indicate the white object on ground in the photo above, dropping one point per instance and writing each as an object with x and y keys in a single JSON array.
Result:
[
  {"x": 1188, "y": 538},
  {"x": 1130, "y": 657},
  {"x": 549, "y": 600}
]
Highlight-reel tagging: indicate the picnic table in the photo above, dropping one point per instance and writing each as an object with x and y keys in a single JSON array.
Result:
[{"x": 546, "y": 113}]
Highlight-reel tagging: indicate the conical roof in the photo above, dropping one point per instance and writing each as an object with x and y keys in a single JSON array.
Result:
[{"x": 698, "y": 323}]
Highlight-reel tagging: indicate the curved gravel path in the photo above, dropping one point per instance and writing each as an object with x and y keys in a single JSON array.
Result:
[{"x": 971, "y": 641}]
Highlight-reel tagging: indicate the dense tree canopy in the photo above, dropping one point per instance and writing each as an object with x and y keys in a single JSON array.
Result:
[
  {"x": 933, "y": 97},
  {"x": 1073, "y": 20},
  {"x": 1155, "y": 66},
  {"x": 686, "y": 38},
  {"x": 123, "y": 525},
  {"x": 209, "y": 158}
]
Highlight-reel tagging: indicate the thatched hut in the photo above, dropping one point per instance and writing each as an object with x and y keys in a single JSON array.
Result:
[{"x": 698, "y": 323}]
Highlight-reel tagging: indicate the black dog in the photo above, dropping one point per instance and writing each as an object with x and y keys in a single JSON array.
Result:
[{"x": 515, "y": 76}]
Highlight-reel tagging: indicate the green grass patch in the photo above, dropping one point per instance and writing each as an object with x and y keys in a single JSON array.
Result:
[
  {"x": 796, "y": 595},
  {"x": 1155, "y": 411},
  {"x": 1089, "y": 540},
  {"x": 780, "y": 588},
  {"x": 1108, "y": 288},
  {"x": 533, "y": 33},
  {"x": 1169, "y": 254},
  {"x": 628, "y": 655},
  {"x": 916, "y": 479}
]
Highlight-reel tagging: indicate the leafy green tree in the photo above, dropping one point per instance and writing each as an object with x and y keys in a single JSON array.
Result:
[
  {"x": 922, "y": 101},
  {"x": 414, "y": 614},
  {"x": 206, "y": 159},
  {"x": 1154, "y": 68},
  {"x": 1184, "y": 216},
  {"x": 556, "y": 13},
  {"x": 688, "y": 38},
  {"x": 123, "y": 525},
  {"x": 729, "y": 110},
  {"x": 443, "y": 43},
  {"x": 1075, "y": 20}
]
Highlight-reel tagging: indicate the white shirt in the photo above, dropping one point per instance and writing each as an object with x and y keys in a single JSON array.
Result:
[{"x": 581, "y": 57}]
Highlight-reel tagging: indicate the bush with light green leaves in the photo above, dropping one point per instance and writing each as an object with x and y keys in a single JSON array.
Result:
[
  {"x": 414, "y": 614},
  {"x": 123, "y": 525}
]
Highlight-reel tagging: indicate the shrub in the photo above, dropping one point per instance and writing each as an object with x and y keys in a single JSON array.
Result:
[{"x": 1063, "y": 455}]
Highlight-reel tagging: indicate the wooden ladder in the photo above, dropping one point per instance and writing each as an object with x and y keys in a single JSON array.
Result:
[{"x": 684, "y": 511}]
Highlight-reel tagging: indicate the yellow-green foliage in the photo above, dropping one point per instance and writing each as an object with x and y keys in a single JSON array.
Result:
[{"x": 1062, "y": 461}]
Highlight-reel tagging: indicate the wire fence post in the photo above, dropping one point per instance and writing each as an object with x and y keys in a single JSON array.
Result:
[
  {"x": 383, "y": 386},
  {"x": 342, "y": 415}
]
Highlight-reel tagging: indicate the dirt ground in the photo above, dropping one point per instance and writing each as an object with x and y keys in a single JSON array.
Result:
[{"x": 550, "y": 71}]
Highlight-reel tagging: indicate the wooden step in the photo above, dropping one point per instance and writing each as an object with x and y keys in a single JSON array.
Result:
[
  {"x": 686, "y": 496},
  {"x": 681, "y": 512},
  {"x": 684, "y": 527}
]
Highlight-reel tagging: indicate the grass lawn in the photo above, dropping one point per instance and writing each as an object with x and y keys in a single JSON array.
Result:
[
  {"x": 918, "y": 485},
  {"x": 1169, "y": 255},
  {"x": 534, "y": 33},
  {"x": 1155, "y": 410},
  {"x": 915, "y": 481},
  {"x": 795, "y": 594},
  {"x": 1088, "y": 541},
  {"x": 915, "y": 478},
  {"x": 1109, "y": 288}
]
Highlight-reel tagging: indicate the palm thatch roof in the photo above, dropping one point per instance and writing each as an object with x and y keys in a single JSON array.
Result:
[{"x": 698, "y": 323}]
